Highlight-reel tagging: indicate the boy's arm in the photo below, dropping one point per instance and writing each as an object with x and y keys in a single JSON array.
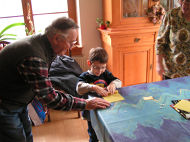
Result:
[
  {"x": 114, "y": 82},
  {"x": 117, "y": 83},
  {"x": 83, "y": 88},
  {"x": 113, "y": 85}
]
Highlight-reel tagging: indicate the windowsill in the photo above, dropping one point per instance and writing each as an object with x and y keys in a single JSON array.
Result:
[{"x": 75, "y": 51}]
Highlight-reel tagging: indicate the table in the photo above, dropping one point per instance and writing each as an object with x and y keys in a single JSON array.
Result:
[{"x": 137, "y": 120}]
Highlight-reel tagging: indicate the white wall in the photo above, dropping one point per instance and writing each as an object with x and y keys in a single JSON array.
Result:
[{"x": 88, "y": 11}]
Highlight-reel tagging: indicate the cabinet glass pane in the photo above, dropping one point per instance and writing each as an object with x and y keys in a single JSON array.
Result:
[
  {"x": 135, "y": 8},
  {"x": 169, "y": 4}
]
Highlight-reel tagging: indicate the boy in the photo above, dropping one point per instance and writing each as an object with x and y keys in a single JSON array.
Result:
[{"x": 97, "y": 80}]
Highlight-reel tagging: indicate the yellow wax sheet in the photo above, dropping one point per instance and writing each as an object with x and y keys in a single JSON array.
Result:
[
  {"x": 114, "y": 97},
  {"x": 183, "y": 105},
  {"x": 148, "y": 98}
]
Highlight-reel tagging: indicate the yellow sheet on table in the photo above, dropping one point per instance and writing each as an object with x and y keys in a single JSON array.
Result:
[
  {"x": 114, "y": 97},
  {"x": 183, "y": 105}
]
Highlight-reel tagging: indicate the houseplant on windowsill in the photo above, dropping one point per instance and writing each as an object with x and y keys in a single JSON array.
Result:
[{"x": 5, "y": 37}]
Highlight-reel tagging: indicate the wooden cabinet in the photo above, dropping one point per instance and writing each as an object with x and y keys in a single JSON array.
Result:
[
  {"x": 131, "y": 55},
  {"x": 130, "y": 41}
]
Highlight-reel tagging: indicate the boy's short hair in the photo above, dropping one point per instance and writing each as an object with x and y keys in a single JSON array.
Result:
[{"x": 98, "y": 54}]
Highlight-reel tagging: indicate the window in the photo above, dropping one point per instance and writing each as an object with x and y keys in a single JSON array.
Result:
[
  {"x": 36, "y": 14},
  {"x": 43, "y": 15},
  {"x": 9, "y": 13}
]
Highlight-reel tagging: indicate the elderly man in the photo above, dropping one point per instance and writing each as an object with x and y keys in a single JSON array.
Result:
[{"x": 24, "y": 75}]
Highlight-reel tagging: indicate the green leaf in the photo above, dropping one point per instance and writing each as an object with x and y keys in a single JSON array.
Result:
[
  {"x": 11, "y": 26},
  {"x": 7, "y": 35},
  {"x": 5, "y": 39}
]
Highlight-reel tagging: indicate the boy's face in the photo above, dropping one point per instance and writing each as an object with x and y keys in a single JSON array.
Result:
[{"x": 97, "y": 68}]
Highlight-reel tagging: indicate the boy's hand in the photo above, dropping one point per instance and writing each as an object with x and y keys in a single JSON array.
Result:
[
  {"x": 101, "y": 91},
  {"x": 96, "y": 103},
  {"x": 111, "y": 88}
]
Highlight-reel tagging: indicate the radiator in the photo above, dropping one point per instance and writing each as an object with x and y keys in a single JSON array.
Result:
[{"x": 82, "y": 61}]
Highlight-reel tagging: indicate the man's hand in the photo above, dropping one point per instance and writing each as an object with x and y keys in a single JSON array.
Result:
[
  {"x": 96, "y": 103},
  {"x": 101, "y": 91}
]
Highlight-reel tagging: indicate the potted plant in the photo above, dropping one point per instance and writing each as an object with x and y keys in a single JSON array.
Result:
[
  {"x": 107, "y": 24},
  {"x": 5, "y": 37},
  {"x": 100, "y": 23}
]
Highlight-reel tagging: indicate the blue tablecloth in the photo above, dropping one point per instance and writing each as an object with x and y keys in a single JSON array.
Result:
[{"x": 139, "y": 120}]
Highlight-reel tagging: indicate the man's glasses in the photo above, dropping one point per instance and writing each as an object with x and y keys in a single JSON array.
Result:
[{"x": 71, "y": 43}]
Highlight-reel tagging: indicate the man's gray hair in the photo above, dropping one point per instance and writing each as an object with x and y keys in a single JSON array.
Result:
[{"x": 60, "y": 25}]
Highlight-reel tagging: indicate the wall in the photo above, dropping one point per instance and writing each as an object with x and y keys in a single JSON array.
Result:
[{"x": 88, "y": 11}]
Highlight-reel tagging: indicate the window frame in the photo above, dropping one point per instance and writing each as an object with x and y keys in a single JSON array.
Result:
[
  {"x": 77, "y": 50},
  {"x": 28, "y": 14}
]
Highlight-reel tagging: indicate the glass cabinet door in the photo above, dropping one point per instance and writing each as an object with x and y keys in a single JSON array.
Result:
[
  {"x": 138, "y": 8},
  {"x": 135, "y": 8},
  {"x": 169, "y": 4}
]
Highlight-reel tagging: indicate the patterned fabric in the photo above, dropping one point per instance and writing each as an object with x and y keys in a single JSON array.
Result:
[
  {"x": 173, "y": 42},
  {"x": 105, "y": 78},
  {"x": 87, "y": 80},
  {"x": 35, "y": 72}
]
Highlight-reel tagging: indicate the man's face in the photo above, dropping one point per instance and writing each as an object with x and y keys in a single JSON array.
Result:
[{"x": 65, "y": 42}]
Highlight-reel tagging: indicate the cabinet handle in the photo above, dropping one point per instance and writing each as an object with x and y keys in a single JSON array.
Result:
[
  {"x": 151, "y": 67},
  {"x": 137, "y": 39}
]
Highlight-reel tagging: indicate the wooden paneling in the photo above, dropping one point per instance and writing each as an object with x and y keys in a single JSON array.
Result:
[
  {"x": 135, "y": 67},
  {"x": 134, "y": 39}
]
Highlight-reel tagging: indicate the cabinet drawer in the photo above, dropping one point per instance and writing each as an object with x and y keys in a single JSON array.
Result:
[{"x": 135, "y": 39}]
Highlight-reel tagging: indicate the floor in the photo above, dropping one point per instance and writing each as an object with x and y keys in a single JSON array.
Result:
[{"x": 64, "y": 127}]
